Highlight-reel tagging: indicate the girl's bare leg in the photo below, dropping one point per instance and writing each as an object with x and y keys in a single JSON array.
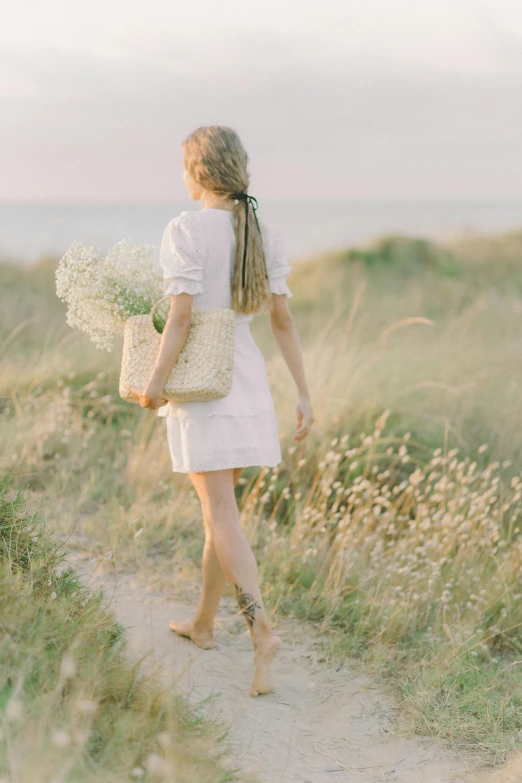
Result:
[
  {"x": 216, "y": 493},
  {"x": 201, "y": 627}
]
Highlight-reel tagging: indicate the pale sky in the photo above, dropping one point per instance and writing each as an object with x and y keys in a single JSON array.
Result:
[{"x": 333, "y": 99}]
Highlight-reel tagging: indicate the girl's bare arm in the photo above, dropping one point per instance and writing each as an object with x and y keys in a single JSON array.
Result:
[
  {"x": 172, "y": 341},
  {"x": 285, "y": 333}
]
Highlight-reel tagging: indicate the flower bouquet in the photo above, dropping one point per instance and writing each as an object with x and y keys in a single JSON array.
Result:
[
  {"x": 103, "y": 291},
  {"x": 118, "y": 292}
]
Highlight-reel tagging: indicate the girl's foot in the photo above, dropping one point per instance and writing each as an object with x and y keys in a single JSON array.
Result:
[
  {"x": 203, "y": 638},
  {"x": 264, "y": 654}
]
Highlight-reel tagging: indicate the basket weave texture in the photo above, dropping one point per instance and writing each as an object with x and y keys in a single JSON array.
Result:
[{"x": 204, "y": 369}]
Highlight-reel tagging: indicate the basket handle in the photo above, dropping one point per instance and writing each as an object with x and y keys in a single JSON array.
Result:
[
  {"x": 153, "y": 309},
  {"x": 162, "y": 299}
]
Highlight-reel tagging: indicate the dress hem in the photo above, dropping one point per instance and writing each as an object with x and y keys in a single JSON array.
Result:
[{"x": 228, "y": 467}]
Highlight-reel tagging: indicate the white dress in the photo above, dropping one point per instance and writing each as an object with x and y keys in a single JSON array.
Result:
[{"x": 197, "y": 256}]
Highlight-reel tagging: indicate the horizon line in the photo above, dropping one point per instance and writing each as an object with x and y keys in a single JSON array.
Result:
[{"x": 330, "y": 200}]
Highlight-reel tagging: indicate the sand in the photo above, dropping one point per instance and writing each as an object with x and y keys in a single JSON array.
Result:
[{"x": 321, "y": 724}]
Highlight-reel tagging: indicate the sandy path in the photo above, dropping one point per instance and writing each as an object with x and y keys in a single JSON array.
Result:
[{"x": 321, "y": 724}]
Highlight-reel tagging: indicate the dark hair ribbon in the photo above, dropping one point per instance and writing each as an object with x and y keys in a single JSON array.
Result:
[{"x": 248, "y": 199}]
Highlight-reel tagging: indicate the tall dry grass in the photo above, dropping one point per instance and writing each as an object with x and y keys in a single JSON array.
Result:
[{"x": 394, "y": 526}]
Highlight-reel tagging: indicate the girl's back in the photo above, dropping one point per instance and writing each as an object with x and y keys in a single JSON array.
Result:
[{"x": 197, "y": 256}]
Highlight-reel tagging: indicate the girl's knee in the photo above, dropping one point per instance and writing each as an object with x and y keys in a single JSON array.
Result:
[{"x": 222, "y": 514}]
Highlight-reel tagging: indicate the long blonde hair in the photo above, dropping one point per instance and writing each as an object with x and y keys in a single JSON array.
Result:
[{"x": 216, "y": 159}]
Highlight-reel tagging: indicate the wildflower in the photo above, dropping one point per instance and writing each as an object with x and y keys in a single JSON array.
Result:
[
  {"x": 60, "y": 738},
  {"x": 86, "y": 706},
  {"x": 67, "y": 667},
  {"x": 156, "y": 764},
  {"x": 165, "y": 739}
]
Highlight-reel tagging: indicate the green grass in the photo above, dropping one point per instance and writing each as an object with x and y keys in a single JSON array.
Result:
[{"x": 72, "y": 704}]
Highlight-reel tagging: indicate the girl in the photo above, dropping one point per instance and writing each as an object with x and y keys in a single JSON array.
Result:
[{"x": 224, "y": 257}]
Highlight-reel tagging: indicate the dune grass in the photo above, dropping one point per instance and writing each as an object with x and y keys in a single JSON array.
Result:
[{"x": 394, "y": 526}]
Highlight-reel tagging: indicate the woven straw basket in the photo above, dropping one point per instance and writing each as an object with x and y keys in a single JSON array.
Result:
[{"x": 204, "y": 369}]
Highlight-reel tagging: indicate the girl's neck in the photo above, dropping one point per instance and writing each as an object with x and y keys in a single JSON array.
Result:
[{"x": 212, "y": 201}]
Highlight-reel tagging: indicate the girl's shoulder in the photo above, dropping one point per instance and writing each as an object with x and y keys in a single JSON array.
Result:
[
  {"x": 184, "y": 229},
  {"x": 186, "y": 220},
  {"x": 183, "y": 235},
  {"x": 201, "y": 221}
]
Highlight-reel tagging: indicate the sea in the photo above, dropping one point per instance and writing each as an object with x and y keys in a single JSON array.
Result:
[{"x": 32, "y": 230}]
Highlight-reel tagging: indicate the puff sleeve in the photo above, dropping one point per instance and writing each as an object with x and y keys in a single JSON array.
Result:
[
  {"x": 277, "y": 264},
  {"x": 181, "y": 258}
]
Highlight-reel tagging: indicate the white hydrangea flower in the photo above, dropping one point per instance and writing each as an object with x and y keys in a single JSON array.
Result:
[{"x": 103, "y": 291}]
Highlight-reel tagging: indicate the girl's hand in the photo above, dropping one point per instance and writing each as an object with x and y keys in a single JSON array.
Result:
[
  {"x": 151, "y": 397},
  {"x": 305, "y": 418}
]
